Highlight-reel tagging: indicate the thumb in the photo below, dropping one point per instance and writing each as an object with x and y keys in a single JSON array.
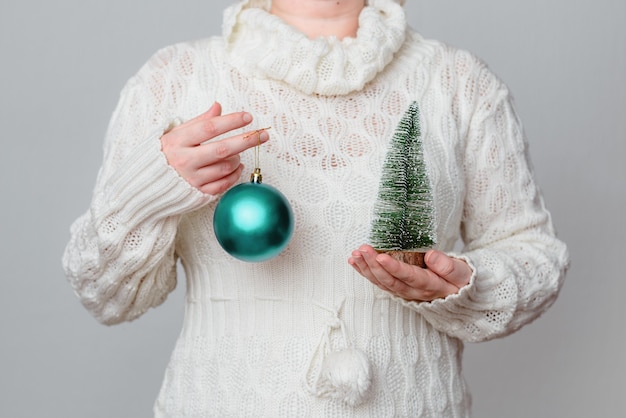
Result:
[
  {"x": 453, "y": 270},
  {"x": 213, "y": 111}
]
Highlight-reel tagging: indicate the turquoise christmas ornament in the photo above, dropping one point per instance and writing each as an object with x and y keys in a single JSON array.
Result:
[{"x": 253, "y": 221}]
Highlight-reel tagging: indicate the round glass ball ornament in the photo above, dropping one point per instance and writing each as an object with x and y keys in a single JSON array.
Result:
[{"x": 253, "y": 222}]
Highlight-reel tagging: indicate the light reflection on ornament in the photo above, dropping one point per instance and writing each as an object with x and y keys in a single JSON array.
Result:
[{"x": 253, "y": 222}]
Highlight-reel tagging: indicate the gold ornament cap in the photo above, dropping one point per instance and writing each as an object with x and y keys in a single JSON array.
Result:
[{"x": 255, "y": 176}]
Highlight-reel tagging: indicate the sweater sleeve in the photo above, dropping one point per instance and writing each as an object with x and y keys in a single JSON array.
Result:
[
  {"x": 518, "y": 262},
  {"x": 120, "y": 258}
]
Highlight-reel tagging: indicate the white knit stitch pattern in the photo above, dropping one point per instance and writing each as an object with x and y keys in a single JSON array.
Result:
[{"x": 251, "y": 331}]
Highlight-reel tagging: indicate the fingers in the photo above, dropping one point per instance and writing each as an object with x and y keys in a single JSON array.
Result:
[
  {"x": 208, "y": 125},
  {"x": 216, "y": 151},
  {"x": 212, "y": 166},
  {"x": 222, "y": 184},
  {"x": 217, "y": 178},
  {"x": 378, "y": 269},
  {"x": 451, "y": 269},
  {"x": 213, "y": 162},
  {"x": 407, "y": 281}
]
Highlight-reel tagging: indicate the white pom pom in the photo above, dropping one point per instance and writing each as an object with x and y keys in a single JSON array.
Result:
[{"x": 346, "y": 375}]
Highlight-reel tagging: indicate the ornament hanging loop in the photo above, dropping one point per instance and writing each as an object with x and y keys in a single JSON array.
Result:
[{"x": 255, "y": 176}]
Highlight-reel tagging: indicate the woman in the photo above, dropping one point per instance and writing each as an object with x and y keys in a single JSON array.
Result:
[{"x": 307, "y": 333}]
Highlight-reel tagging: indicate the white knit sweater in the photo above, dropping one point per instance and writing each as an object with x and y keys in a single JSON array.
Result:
[{"x": 256, "y": 334}]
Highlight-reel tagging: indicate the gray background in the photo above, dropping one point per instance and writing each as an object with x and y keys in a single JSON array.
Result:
[{"x": 62, "y": 65}]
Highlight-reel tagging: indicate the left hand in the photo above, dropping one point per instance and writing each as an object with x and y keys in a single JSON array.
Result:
[{"x": 444, "y": 276}]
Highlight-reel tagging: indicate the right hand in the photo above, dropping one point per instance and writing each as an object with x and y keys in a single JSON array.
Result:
[{"x": 211, "y": 167}]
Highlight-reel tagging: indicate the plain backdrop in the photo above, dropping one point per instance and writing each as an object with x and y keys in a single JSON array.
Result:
[{"x": 62, "y": 65}]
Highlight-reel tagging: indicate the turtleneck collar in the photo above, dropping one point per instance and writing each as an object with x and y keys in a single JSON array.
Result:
[{"x": 262, "y": 45}]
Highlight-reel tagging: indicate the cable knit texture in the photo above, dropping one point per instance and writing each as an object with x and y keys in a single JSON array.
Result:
[{"x": 257, "y": 338}]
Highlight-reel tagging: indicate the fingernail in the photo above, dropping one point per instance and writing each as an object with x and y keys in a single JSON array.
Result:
[
  {"x": 432, "y": 257},
  {"x": 264, "y": 136},
  {"x": 247, "y": 117}
]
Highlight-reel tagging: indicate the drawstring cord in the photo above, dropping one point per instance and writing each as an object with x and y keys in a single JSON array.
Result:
[{"x": 343, "y": 374}]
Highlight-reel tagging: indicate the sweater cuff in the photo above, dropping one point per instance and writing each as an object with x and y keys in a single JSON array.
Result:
[
  {"x": 147, "y": 187},
  {"x": 465, "y": 314}
]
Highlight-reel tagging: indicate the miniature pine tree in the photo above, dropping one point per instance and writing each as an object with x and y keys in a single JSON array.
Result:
[{"x": 404, "y": 212}]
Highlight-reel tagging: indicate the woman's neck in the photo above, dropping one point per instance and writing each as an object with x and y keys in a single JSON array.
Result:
[{"x": 321, "y": 18}]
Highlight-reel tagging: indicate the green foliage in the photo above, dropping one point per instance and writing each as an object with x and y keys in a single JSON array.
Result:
[{"x": 404, "y": 211}]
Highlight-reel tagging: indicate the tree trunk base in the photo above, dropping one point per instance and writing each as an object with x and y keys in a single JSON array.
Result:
[{"x": 415, "y": 258}]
